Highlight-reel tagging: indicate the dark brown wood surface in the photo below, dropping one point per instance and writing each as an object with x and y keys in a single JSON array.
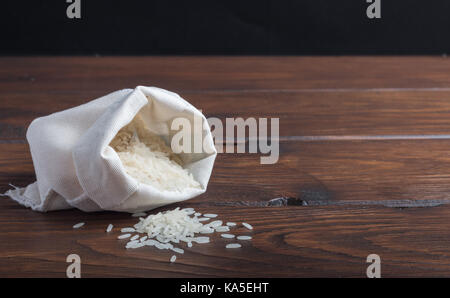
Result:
[{"x": 364, "y": 159}]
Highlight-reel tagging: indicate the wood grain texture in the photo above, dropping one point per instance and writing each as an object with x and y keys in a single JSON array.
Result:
[
  {"x": 104, "y": 74},
  {"x": 287, "y": 242},
  {"x": 392, "y": 173},
  {"x": 356, "y": 113},
  {"x": 364, "y": 143}
]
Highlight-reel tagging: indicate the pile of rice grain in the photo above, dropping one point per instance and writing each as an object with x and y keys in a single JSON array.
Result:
[
  {"x": 149, "y": 160},
  {"x": 166, "y": 229},
  {"x": 174, "y": 226}
]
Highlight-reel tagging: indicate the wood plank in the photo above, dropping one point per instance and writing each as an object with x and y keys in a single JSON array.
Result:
[
  {"x": 55, "y": 74},
  {"x": 392, "y": 173},
  {"x": 358, "y": 134},
  {"x": 287, "y": 242},
  {"x": 301, "y": 114}
]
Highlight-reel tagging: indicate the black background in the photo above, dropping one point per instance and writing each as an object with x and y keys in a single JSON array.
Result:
[{"x": 263, "y": 27}]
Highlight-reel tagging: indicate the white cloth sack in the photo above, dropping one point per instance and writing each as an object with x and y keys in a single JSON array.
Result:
[{"x": 76, "y": 167}]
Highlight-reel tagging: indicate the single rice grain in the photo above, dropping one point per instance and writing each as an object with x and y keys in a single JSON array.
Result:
[
  {"x": 248, "y": 226},
  {"x": 244, "y": 237},
  {"x": 216, "y": 223},
  {"x": 124, "y": 236},
  {"x": 210, "y": 215},
  {"x": 178, "y": 250},
  {"x": 222, "y": 229},
  {"x": 229, "y": 236},
  {"x": 233, "y": 245},
  {"x": 78, "y": 225},
  {"x": 127, "y": 230},
  {"x": 201, "y": 239}
]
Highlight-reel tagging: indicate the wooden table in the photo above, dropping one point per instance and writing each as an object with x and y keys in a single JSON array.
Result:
[{"x": 365, "y": 159}]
